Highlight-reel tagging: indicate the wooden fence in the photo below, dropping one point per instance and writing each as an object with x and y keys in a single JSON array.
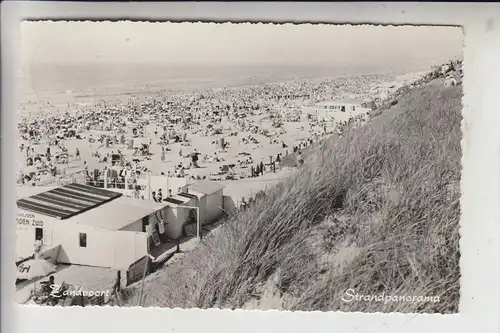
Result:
[{"x": 135, "y": 271}]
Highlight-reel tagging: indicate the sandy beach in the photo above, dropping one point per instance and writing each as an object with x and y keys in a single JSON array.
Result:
[{"x": 158, "y": 131}]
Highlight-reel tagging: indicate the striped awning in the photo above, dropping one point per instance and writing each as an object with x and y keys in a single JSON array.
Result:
[
  {"x": 173, "y": 200},
  {"x": 67, "y": 201},
  {"x": 187, "y": 195}
]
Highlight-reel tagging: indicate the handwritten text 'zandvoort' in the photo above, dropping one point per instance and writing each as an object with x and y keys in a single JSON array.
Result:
[{"x": 73, "y": 293}]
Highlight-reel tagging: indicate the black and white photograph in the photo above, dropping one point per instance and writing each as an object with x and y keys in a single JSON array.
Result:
[{"x": 254, "y": 166}]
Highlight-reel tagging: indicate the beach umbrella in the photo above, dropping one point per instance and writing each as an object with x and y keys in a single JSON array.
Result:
[{"x": 34, "y": 268}]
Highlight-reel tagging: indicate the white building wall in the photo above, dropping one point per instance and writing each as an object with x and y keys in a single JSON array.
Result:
[
  {"x": 27, "y": 222},
  {"x": 102, "y": 245},
  {"x": 202, "y": 204},
  {"x": 163, "y": 182},
  {"x": 99, "y": 251},
  {"x": 136, "y": 226},
  {"x": 153, "y": 219},
  {"x": 128, "y": 248},
  {"x": 176, "y": 217},
  {"x": 335, "y": 114},
  {"x": 214, "y": 203}
]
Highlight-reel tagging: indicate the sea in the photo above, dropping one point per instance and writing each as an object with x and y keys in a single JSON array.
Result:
[{"x": 54, "y": 85}]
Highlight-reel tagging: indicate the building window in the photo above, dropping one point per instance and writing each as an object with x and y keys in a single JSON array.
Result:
[
  {"x": 83, "y": 239},
  {"x": 47, "y": 237},
  {"x": 38, "y": 233}
]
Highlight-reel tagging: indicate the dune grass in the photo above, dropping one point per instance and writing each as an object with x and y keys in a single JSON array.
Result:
[{"x": 375, "y": 211}]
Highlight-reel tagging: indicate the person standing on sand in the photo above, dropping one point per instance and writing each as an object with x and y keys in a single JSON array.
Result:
[
  {"x": 162, "y": 155},
  {"x": 86, "y": 167},
  {"x": 153, "y": 194},
  {"x": 194, "y": 159},
  {"x": 261, "y": 168},
  {"x": 300, "y": 159}
]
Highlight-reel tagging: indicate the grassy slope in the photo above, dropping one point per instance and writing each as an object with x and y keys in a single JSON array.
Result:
[{"x": 397, "y": 231}]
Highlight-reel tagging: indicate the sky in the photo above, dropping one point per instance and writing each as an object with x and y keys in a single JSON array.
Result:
[{"x": 237, "y": 44}]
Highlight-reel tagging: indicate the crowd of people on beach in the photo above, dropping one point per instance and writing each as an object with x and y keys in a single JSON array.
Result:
[{"x": 124, "y": 137}]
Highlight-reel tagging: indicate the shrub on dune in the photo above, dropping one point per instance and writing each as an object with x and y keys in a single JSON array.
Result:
[{"x": 376, "y": 211}]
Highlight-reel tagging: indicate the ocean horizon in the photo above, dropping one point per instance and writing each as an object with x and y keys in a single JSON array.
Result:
[{"x": 89, "y": 78}]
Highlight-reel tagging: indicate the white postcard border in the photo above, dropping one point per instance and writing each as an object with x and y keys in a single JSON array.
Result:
[{"x": 480, "y": 227}]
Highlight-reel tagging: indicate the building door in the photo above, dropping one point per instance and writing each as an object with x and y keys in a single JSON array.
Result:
[
  {"x": 38, "y": 233},
  {"x": 145, "y": 223}
]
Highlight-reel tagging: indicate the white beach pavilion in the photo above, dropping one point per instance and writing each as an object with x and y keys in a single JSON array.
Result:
[
  {"x": 87, "y": 225},
  {"x": 204, "y": 199},
  {"x": 340, "y": 110}
]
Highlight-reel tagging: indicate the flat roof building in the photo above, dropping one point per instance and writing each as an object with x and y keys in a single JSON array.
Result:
[
  {"x": 92, "y": 226},
  {"x": 340, "y": 110}
]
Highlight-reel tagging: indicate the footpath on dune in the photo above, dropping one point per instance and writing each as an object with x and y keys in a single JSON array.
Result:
[{"x": 375, "y": 211}]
